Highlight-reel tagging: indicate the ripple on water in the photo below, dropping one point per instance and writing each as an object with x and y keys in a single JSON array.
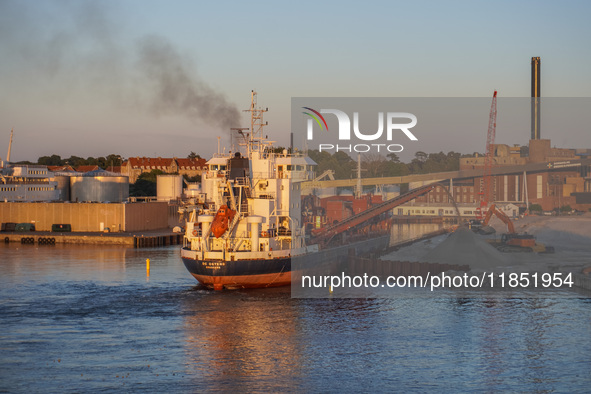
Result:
[{"x": 90, "y": 320}]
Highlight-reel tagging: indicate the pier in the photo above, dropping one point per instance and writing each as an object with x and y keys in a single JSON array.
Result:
[{"x": 134, "y": 240}]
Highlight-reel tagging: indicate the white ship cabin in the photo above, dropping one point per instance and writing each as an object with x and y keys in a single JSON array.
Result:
[
  {"x": 264, "y": 191},
  {"x": 296, "y": 168},
  {"x": 218, "y": 165}
]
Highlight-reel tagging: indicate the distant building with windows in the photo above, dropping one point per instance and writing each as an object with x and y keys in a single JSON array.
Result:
[
  {"x": 135, "y": 166},
  {"x": 27, "y": 183}
]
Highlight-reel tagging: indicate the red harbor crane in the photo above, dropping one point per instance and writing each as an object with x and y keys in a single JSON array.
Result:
[{"x": 486, "y": 195}]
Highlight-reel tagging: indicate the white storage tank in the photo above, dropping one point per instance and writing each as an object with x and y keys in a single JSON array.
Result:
[
  {"x": 99, "y": 186},
  {"x": 169, "y": 187}
]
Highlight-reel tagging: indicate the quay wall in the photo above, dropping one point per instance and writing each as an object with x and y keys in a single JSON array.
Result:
[
  {"x": 127, "y": 239},
  {"x": 582, "y": 281},
  {"x": 87, "y": 217}
]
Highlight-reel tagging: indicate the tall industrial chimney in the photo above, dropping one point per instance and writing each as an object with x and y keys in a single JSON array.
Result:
[{"x": 535, "y": 98}]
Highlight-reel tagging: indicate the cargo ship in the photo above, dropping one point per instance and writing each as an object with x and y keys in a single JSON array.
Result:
[{"x": 249, "y": 227}]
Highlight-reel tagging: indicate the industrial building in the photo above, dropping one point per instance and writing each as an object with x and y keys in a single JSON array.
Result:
[
  {"x": 27, "y": 183},
  {"x": 562, "y": 177},
  {"x": 88, "y": 217},
  {"x": 449, "y": 210},
  {"x": 533, "y": 174}
]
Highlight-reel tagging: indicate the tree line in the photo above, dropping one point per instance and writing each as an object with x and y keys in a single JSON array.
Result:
[
  {"x": 343, "y": 165},
  {"x": 376, "y": 165},
  {"x": 112, "y": 160},
  {"x": 76, "y": 161}
]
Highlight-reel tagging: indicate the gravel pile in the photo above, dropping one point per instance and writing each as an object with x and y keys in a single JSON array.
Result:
[{"x": 465, "y": 247}]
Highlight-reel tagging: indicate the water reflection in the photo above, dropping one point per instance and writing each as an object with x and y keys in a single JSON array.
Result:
[
  {"x": 239, "y": 340},
  {"x": 406, "y": 231},
  {"x": 516, "y": 341},
  {"x": 76, "y": 262}
]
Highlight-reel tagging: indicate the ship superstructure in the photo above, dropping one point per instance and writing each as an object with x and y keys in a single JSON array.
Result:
[{"x": 250, "y": 226}]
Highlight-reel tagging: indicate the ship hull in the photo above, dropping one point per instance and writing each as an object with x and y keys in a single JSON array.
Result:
[
  {"x": 256, "y": 273},
  {"x": 218, "y": 274}
]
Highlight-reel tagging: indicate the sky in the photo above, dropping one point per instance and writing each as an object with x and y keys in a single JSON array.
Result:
[{"x": 155, "y": 78}]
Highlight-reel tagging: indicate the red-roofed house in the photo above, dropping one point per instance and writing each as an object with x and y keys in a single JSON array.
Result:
[
  {"x": 61, "y": 169},
  {"x": 87, "y": 168},
  {"x": 114, "y": 169},
  {"x": 191, "y": 167},
  {"x": 135, "y": 166}
]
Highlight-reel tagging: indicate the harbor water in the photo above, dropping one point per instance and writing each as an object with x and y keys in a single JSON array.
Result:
[{"x": 91, "y": 319}]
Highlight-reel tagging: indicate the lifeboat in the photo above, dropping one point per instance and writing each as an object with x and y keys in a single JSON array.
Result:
[{"x": 222, "y": 220}]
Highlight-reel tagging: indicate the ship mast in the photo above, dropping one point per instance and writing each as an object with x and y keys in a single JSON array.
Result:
[{"x": 256, "y": 124}]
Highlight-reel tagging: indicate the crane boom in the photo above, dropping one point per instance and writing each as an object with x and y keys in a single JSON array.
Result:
[
  {"x": 9, "y": 147},
  {"x": 486, "y": 187},
  {"x": 501, "y": 215}
]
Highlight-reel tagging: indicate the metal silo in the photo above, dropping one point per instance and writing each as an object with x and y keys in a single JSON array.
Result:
[{"x": 99, "y": 186}]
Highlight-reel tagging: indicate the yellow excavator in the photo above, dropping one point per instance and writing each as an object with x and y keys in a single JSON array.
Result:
[{"x": 512, "y": 242}]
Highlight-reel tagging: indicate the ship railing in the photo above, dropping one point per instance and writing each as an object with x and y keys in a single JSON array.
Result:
[
  {"x": 266, "y": 195},
  {"x": 242, "y": 181},
  {"x": 264, "y": 175},
  {"x": 282, "y": 231},
  {"x": 244, "y": 208}
]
